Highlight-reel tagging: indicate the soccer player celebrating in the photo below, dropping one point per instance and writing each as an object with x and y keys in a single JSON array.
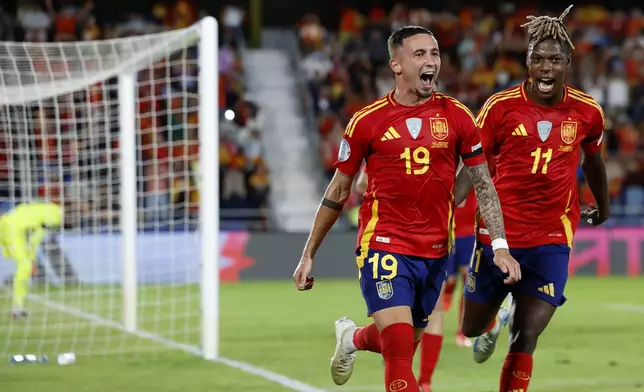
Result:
[
  {"x": 21, "y": 231},
  {"x": 535, "y": 132},
  {"x": 411, "y": 140}
]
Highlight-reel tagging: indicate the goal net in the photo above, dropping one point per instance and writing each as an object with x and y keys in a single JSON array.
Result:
[{"x": 123, "y": 135}]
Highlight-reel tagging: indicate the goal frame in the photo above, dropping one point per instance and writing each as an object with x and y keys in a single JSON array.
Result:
[{"x": 208, "y": 110}]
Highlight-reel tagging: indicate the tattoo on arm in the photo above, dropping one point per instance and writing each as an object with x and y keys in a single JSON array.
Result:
[
  {"x": 334, "y": 205},
  {"x": 488, "y": 200}
]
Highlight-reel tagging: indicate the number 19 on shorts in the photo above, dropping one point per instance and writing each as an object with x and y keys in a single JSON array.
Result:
[{"x": 383, "y": 266}]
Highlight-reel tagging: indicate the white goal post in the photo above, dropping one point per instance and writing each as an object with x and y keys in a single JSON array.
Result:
[{"x": 124, "y": 134}]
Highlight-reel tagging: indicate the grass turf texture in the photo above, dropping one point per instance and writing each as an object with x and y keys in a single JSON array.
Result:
[{"x": 594, "y": 343}]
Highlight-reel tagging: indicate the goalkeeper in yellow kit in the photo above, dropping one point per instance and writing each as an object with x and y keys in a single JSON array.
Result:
[{"x": 21, "y": 231}]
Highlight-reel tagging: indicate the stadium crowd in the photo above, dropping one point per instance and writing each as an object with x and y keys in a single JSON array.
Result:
[
  {"x": 75, "y": 162},
  {"x": 483, "y": 52}
]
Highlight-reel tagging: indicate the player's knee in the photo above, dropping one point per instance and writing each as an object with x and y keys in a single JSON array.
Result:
[{"x": 524, "y": 340}]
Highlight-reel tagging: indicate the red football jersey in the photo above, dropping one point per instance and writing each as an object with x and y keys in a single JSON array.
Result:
[
  {"x": 536, "y": 154},
  {"x": 465, "y": 216},
  {"x": 412, "y": 153}
]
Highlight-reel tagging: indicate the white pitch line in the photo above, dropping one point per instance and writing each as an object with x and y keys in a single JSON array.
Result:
[
  {"x": 473, "y": 386},
  {"x": 277, "y": 378},
  {"x": 625, "y": 307}
]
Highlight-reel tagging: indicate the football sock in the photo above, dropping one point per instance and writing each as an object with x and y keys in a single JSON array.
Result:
[
  {"x": 516, "y": 373},
  {"x": 398, "y": 352},
  {"x": 429, "y": 353},
  {"x": 367, "y": 339}
]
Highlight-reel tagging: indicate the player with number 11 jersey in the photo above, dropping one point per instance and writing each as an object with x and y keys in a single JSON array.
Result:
[
  {"x": 536, "y": 153},
  {"x": 536, "y": 132}
]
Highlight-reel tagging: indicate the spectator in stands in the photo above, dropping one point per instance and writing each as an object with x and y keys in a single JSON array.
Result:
[{"x": 34, "y": 21}]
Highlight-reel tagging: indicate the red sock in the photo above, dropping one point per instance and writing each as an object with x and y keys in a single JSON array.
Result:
[
  {"x": 430, "y": 351},
  {"x": 398, "y": 352},
  {"x": 367, "y": 339},
  {"x": 516, "y": 373}
]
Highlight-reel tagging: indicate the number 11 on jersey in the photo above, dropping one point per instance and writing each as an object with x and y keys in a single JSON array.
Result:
[{"x": 546, "y": 156}]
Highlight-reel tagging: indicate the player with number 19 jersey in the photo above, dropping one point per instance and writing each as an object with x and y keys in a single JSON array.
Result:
[
  {"x": 412, "y": 155},
  {"x": 536, "y": 154}
]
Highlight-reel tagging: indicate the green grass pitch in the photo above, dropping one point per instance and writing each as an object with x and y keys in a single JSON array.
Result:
[{"x": 595, "y": 343}]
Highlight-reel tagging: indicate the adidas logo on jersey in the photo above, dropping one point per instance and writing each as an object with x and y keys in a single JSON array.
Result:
[
  {"x": 390, "y": 135},
  {"x": 520, "y": 131}
]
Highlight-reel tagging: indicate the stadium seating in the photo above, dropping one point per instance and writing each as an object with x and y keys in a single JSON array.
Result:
[
  {"x": 168, "y": 138},
  {"x": 484, "y": 52}
]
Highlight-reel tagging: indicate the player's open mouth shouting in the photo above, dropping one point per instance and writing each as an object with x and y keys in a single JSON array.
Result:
[
  {"x": 427, "y": 78},
  {"x": 545, "y": 85}
]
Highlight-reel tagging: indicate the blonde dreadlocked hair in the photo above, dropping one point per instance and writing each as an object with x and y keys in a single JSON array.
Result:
[{"x": 543, "y": 27}]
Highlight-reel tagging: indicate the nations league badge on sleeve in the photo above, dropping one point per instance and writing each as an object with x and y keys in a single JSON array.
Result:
[{"x": 345, "y": 151}]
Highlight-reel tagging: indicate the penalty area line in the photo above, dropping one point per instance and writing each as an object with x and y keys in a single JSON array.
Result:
[{"x": 268, "y": 375}]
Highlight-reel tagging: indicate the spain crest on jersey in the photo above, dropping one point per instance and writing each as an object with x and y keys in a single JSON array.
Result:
[
  {"x": 385, "y": 289},
  {"x": 568, "y": 131},
  {"x": 439, "y": 127}
]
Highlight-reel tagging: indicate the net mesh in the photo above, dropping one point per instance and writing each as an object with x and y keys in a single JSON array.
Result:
[{"x": 59, "y": 122}]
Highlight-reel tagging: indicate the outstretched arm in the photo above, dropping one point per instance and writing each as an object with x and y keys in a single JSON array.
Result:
[
  {"x": 594, "y": 169},
  {"x": 328, "y": 212},
  {"x": 488, "y": 200}
]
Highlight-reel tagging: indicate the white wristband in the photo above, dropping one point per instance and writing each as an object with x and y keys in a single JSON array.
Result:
[{"x": 500, "y": 243}]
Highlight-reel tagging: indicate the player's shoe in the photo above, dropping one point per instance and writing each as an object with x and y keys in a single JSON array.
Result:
[
  {"x": 343, "y": 357},
  {"x": 485, "y": 344},
  {"x": 462, "y": 340}
]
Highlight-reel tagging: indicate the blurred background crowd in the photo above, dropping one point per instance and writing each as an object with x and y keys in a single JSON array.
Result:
[
  {"x": 72, "y": 157},
  {"x": 483, "y": 51}
]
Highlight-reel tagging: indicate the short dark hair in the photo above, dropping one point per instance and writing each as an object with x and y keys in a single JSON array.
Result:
[
  {"x": 398, "y": 36},
  {"x": 541, "y": 28}
]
